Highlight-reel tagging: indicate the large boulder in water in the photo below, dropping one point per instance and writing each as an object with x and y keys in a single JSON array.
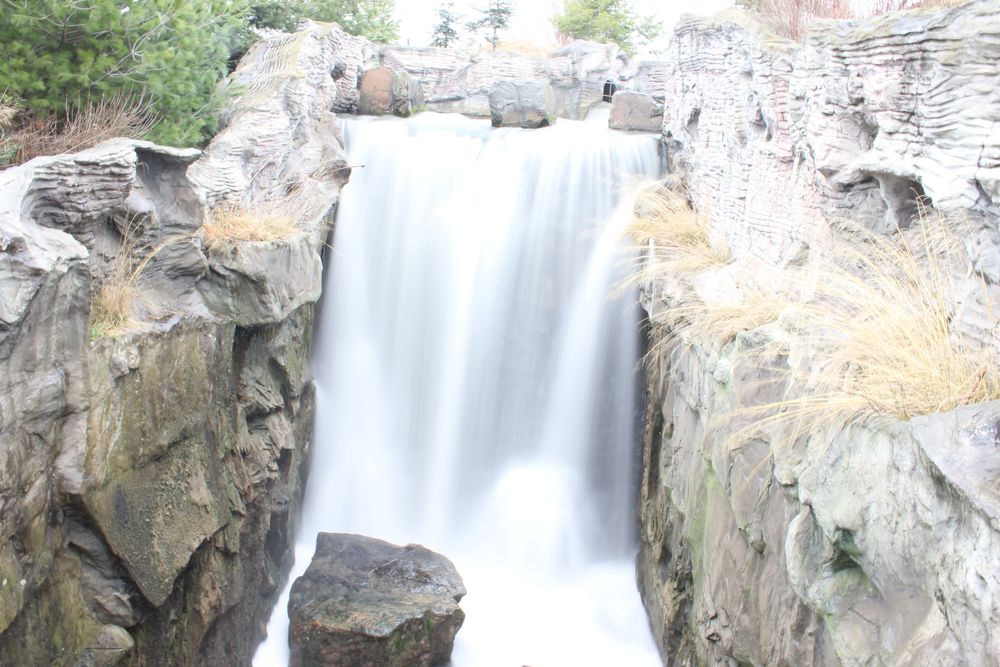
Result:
[
  {"x": 527, "y": 104},
  {"x": 635, "y": 111},
  {"x": 363, "y": 601}
]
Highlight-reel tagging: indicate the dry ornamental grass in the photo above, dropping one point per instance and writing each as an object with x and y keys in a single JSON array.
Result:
[
  {"x": 82, "y": 128},
  {"x": 872, "y": 323}
]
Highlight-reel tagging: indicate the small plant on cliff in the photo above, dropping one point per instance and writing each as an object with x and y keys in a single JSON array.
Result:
[
  {"x": 112, "y": 308},
  {"x": 674, "y": 243},
  {"x": 879, "y": 337},
  {"x": 675, "y": 238},
  {"x": 82, "y": 127},
  {"x": 790, "y": 18},
  {"x": 266, "y": 217}
]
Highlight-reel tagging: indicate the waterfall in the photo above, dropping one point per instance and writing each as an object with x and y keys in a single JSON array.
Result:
[{"x": 476, "y": 381}]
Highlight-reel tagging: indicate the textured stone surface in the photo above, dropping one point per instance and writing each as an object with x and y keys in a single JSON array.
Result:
[
  {"x": 150, "y": 480},
  {"x": 871, "y": 545},
  {"x": 874, "y": 544},
  {"x": 385, "y": 92},
  {"x": 853, "y": 123},
  {"x": 363, "y": 601},
  {"x": 528, "y": 105},
  {"x": 635, "y": 111},
  {"x": 460, "y": 82}
]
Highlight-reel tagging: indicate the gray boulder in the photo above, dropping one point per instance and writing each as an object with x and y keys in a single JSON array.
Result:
[
  {"x": 363, "y": 601},
  {"x": 635, "y": 111},
  {"x": 528, "y": 104}
]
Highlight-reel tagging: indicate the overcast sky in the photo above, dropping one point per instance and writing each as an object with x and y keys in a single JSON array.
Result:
[{"x": 531, "y": 20}]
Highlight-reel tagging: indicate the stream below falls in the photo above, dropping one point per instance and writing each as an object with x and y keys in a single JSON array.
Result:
[{"x": 477, "y": 382}]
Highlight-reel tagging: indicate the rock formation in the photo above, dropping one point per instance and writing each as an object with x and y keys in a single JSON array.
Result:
[
  {"x": 523, "y": 104},
  {"x": 151, "y": 478},
  {"x": 363, "y": 601},
  {"x": 874, "y": 543},
  {"x": 577, "y": 75}
]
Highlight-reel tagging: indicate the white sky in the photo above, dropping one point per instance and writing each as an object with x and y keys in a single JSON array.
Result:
[{"x": 531, "y": 20}]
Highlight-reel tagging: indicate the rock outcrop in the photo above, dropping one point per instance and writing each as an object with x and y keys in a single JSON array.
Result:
[
  {"x": 363, "y": 601},
  {"x": 384, "y": 92},
  {"x": 579, "y": 76},
  {"x": 151, "y": 478},
  {"x": 522, "y": 104},
  {"x": 872, "y": 543},
  {"x": 635, "y": 111}
]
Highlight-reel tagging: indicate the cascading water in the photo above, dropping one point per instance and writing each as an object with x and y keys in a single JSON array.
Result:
[{"x": 476, "y": 383}]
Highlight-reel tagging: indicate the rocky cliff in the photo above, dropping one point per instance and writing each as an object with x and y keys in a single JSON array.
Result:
[
  {"x": 151, "y": 474},
  {"x": 867, "y": 542}
]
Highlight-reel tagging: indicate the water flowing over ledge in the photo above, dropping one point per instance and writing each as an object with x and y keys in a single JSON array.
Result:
[{"x": 477, "y": 382}]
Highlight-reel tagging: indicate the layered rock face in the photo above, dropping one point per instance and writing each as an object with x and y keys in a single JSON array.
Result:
[
  {"x": 578, "y": 76},
  {"x": 363, "y": 601},
  {"x": 150, "y": 479},
  {"x": 874, "y": 543}
]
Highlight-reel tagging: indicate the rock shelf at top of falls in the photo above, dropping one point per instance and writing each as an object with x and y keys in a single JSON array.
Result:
[{"x": 368, "y": 602}]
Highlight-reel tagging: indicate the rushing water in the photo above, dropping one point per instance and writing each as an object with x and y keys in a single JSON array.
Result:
[{"x": 476, "y": 384}]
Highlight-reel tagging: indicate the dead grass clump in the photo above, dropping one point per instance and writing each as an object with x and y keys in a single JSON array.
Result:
[
  {"x": 269, "y": 221},
  {"x": 82, "y": 128},
  {"x": 791, "y": 18},
  {"x": 877, "y": 340},
  {"x": 527, "y": 48},
  {"x": 112, "y": 308},
  {"x": 675, "y": 239}
]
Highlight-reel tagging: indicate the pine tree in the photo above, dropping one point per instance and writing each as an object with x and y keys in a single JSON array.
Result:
[
  {"x": 610, "y": 21},
  {"x": 58, "y": 55},
  {"x": 371, "y": 19},
  {"x": 493, "y": 19},
  {"x": 444, "y": 32}
]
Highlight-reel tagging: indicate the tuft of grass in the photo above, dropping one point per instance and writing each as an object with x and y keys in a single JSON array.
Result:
[
  {"x": 237, "y": 222},
  {"x": 866, "y": 332},
  {"x": 82, "y": 128},
  {"x": 791, "y": 18},
  {"x": 112, "y": 309},
  {"x": 675, "y": 239},
  {"x": 876, "y": 339},
  {"x": 284, "y": 211}
]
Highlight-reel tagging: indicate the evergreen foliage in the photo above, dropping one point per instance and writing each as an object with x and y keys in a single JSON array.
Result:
[
  {"x": 444, "y": 32},
  {"x": 371, "y": 19},
  {"x": 58, "y": 56},
  {"x": 609, "y": 21},
  {"x": 493, "y": 19}
]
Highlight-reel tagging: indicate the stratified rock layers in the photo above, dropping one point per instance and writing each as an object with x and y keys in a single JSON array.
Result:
[
  {"x": 874, "y": 544},
  {"x": 151, "y": 479}
]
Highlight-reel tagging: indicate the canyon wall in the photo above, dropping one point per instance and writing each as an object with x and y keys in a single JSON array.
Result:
[
  {"x": 152, "y": 474},
  {"x": 874, "y": 542}
]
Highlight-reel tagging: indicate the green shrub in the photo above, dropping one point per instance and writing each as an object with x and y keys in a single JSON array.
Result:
[
  {"x": 371, "y": 19},
  {"x": 60, "y": 55},
  {"x": 608, "y": 21}
]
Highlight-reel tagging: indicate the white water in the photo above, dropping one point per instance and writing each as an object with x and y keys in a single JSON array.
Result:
[{"x": 476, "y": 382}]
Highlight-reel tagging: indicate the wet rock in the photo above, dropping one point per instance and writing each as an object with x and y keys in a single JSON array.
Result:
[
  {"x": 385, "y": 92},
  {"x": 528, "y": 104},
  {"x": 367, "y": 602},
  {"x": 635, "y": 111}
]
